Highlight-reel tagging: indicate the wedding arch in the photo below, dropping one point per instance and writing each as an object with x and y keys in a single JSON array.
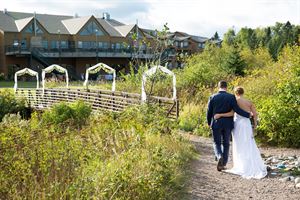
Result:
[
  {"x": 96, "y": 68},
  {"x": 26, "y": 71},
  {"x": 152, "y": 71},
  {"x": 52, "y": 68}
]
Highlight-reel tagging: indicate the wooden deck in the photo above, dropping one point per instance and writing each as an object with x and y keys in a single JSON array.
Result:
[{"x": 98, "y": 99}]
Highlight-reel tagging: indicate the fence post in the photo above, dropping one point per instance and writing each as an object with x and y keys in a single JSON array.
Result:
[
  {"x": 177, "y": 108},
  {"x": 113, "y": 100}
]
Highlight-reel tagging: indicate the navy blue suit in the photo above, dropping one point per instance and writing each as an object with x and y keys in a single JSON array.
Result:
[{"x": 222, "y": 102}]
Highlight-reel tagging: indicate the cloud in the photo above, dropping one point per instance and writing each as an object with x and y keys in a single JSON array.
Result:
[{"x": 200, "y": 17}]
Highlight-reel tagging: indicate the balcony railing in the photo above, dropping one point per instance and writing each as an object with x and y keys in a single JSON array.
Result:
[{"x": 79, "y": 52}]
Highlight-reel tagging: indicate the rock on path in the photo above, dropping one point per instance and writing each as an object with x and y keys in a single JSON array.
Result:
[{"x": 207, "y": 183}]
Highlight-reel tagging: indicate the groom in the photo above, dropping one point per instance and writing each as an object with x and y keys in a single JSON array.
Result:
[{"x": 222, "y": 102}]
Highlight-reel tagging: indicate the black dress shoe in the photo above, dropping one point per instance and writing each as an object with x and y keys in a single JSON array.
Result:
[{"x": 220, "y": 165}]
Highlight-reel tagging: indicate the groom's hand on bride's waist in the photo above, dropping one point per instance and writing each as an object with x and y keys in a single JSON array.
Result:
[{"x": 251, "y": 114}]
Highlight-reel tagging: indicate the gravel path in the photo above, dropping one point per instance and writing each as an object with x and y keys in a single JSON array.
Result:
[{"x": 207, "y": 183}]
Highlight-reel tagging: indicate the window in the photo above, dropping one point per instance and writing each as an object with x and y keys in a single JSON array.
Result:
[
  {"x": 181, "y": 44},
  {"x": 30, "y": 29},
  {"x": 16, "y": 43},
  {"x": 185, "y": 44},
  {"x": 79, "y": 44},
  {"x": 91, "y": 29},
  {"x": 86, "y": 44},
  {"x": 93, "y": 45},
  {"x": 23, "y": 44},
  {"x": 118, "y": 46},
  {"x": 45, "y": 44},
  {"x": 103, "y": 45},
  {"x": 140, "y": 34},
  {"x": 100, "y": 45},
  {"x": 113, "y": 46},
  {"x": 201, "y": 45},
  {"x": 64, "y": 44},
  {"x": 39, "y": 30},
  {"x": 54, "y": 44}
]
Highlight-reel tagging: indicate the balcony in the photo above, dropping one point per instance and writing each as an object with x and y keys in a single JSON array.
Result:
[{"x": 80, "y": 52}]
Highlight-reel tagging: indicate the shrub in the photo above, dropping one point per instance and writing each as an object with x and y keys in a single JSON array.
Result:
[
  {"x": 190, "y": 117},
  {"x": 193, "y": 119},
  {"x": 9, "y": 104},
  {"x": 76, "y": 113},
  {"x": 2, "y": 77},
  {"x": 274, "y": 89},
  {"x": 280, "y": 113}
]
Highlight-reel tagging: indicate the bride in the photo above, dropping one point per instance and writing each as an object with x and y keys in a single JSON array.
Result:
[{"x": 247, "y": 161}]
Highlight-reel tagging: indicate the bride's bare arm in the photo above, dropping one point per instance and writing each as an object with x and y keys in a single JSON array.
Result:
[
  {"x": 253, "y": 110},
  {"x": 228, "y": 114}
]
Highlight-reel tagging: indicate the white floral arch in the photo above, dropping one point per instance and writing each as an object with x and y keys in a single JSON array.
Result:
[
  {"x": 152, "y": 71},
  {"x": 52, "y": 68},
  {"x": 96, "y": 68},
  {"x": 26, "y": 71}
]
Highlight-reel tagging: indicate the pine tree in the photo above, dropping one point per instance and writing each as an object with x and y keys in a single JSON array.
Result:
[
  {"x": 216, "y": 36},
  {"x": 235, "y": 62}
]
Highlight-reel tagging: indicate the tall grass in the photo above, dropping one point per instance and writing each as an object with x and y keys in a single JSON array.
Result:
[{"x": 136, "y": 154}]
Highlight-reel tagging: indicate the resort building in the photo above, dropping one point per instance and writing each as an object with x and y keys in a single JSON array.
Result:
[{"x": 38, "y": 40}]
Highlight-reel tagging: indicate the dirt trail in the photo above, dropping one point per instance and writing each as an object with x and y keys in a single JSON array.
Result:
[{"x": 207, "y": 183}]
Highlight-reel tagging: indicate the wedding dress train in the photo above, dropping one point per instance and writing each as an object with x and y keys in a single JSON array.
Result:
[{"x": 247, "y": 161}]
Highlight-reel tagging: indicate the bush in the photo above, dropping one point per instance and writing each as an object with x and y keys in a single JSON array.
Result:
[
  {"x": 2, "y": 77},
  {"x": 9, "y": 104},
  {"x": 76, "y": 113},
  {"x": 274, "y": 89},
  {"x": 190, "y": 117},
  {"x": 280, "y": 113},
  {"x": 193, "y": 119}
]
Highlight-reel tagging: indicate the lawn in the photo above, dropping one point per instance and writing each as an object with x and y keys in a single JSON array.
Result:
[
  {"x": 73, "y": 84},
  {"x": 21, "y": 84}
]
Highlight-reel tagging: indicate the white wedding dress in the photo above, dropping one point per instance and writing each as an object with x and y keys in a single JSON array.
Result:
[{"x": 247, "y": 161}]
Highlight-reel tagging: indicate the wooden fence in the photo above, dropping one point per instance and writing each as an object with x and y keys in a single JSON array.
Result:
[{"x": 98, "y": 99}]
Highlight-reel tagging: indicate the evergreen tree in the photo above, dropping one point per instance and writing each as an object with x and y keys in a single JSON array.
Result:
[
  {"x": 216, "y": 36},
  {"x": 235, "y": 63}
]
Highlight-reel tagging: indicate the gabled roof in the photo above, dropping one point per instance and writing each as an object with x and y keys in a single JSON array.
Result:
[
  {"x": 125, "y": 29},
  {"x": 199, "y": 39},
  {"x": 109, "y": 28},
  {"x": 181, "y": 38},
  {"x": 17, "y": 21},
  {"x": 75, "y": 24},
  {"x": 7, "y": 23},
  {"x": 52, "y": 23},
  {"x": 114, "y": 22},
  {"x": 181, "y": 33},
  {"x": 21, "y": 23}
]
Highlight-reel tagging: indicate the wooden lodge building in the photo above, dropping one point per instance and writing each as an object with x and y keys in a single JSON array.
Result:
[{"x": 39, "y": 40}]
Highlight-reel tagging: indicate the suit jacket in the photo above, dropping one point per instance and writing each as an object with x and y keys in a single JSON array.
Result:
[{"x": 223, "y": 102}]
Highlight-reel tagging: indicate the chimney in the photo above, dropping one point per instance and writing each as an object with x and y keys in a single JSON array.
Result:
[
  {"x": 5, "y": 11},
  {"x": 106, "y": 16},
  {"x": 76, "y": 15}
]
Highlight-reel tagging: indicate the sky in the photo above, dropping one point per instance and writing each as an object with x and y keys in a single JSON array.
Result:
[{"x": 198, "y": 17}]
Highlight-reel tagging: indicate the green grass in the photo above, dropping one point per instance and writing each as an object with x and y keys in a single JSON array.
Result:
[
  {"x": 73, "y": 84},
  {"x": 21, "y": 84}
]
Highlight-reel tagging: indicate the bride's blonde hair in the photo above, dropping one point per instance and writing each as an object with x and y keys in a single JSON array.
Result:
[{"x": 239, "y": 90}]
